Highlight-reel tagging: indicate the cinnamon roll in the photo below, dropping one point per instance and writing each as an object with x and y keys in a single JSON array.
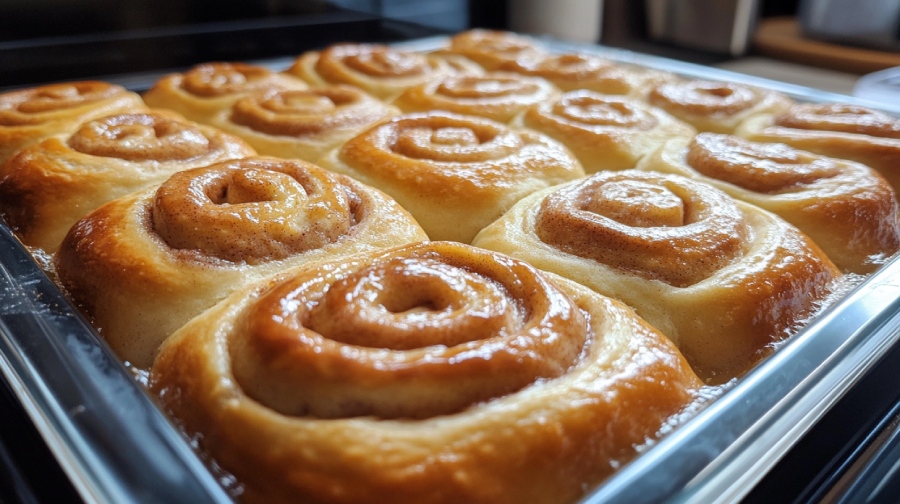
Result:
[
  {"x": 837, "y": 130},
  {"x": 498, "y": 96},
  {"x": 49, "y": 185},
  {"x": 144, "y": 264},
  {"x": 434, "y": 372},
  {"x": 723, "y": 279},
  {"x": 380, "y": 70},
  {"x": 32, "y": 114},
  {"x": 849, "y": 210},
  {"x": 572, "y": 71},
  {"x": 455, "y": 174},
  {"x": 604, "y": 132},
  {"x": 302, "y": 124},
  {"x": 208, "y": 88},
  {"x": 717, "y": 107},
  {"x": 491, "y": 48}
]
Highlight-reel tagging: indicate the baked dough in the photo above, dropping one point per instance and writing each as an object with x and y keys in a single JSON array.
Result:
[
  {"x": 31, "y": 114},
  {"x": 498, "y": 96},
  {"x": 491, "y": 48},
  {"x": 725, "y": 280},
  {"x": 714, "y": 106},
  {"x": 455, "y": 174},
  {"x": 837, "y": 130},
  {"x": 143, "y": 265},
  {"x": 302, "y": 124},
  {"x": 604, "y": 132},
  {"x": 429, "y": 373},
  {"x": 846, "y": 208},
  {"x": 48, "y": 186},
  {"x": 380, "y": 70},
  {"x": 572, "y": 71},
  {"x": 208, "y": 88}
]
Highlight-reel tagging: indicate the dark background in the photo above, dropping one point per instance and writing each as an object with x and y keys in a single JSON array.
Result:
[{"x": 51, "y": 40}]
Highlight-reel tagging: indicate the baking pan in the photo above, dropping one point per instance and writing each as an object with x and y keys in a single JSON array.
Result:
[{"x": 115, "y": 445}]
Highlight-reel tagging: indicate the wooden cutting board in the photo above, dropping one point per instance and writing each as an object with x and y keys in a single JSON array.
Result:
[{"x": 781, "y": 38}]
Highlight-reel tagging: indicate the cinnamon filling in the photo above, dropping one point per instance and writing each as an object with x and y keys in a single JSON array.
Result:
[
  {"x": 768, "y": 168},
  {"x": 657, "y": 226},
  {"x": 426, "y": 330},
  {"x": 254, "y": 210}
]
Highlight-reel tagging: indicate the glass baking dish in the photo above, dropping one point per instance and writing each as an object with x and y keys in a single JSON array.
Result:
[{"x": 115, "y": 444}]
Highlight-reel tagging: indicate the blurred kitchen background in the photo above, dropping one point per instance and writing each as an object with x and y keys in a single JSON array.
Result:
[{"x": 827, "y": 44}]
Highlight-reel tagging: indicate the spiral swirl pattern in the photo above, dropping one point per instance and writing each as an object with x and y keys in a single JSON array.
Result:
[
  {"x": 439, "y": 316},
  {"x": 210, "y": 88},
  {"x": 30, "y": 115},
  {"x": 703, "y": 97},
  {"x": 768, "y": 168},
  {"x": 453, "y": 173},
  {"x": 660, "y": 227},
  {"x": 51, "y": 184},
  {"x": 142, "y": 137},
  {"x": 253, "y": 210},
  {"x": 845, "y": 207},
  {"x": 437, "y": 356},
  {"x": 144, "y": 264},
  {"x": 492, "y": 48},
  {"x": 837, "y": 130},
  {"x": 307, "y": 113},
  {"x": 717, "y": 107},
  {"x": 33, "y": 105},
  {"x": 220, "y": 79},
  {"x": 380, "y": 70},
  {"x": 722, "y": 278},
  {"x": 840, "y": 117},
  {"x": 497, "y": 96},
  {"x": 590, "y": 110},
  {"x": 574, "y": 71},
  {"x": 605, "y": 132}
]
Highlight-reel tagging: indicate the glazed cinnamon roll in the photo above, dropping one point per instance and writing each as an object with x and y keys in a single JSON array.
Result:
[
  {"x": 491, "y": 48},
  {"x": 846, "y": 208},
  {"x": 837, "y": 130},
  {"x": 206, "y": 89},
  {"x": 717, "y": 107},
  {"x": 604, "y": 132},
  {"x": 49, "y": 185},
  {"x": 379, "y": 70},
  {"x": 723, "y": 279},
  {"x": 498, "y": 96},
  {"x": 455, "y": 174},
  {"x": 434, "y": 372},
  {"x": 572, "y": 71},
  {"x": 144, "y": 264},
  {"x": 30, "y": 115},
  {"x": 302, "y": 124}
]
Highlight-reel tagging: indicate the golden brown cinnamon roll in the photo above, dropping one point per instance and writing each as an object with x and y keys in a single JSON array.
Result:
[
  {"x": 604, "y": 132},
  {"x": 491, "y": 48},
  {"x": 723, "y": 279},
  {"x": 379, "y": 70},
  {"x": 49, "y": 185},
  {"x": 837, "y": 130},
  {"x": 498, "y": 96},
  {"x": 455, "y": 174},
  {"x": 144, "y": 264},
  {"x": 206, "y": 89},
  {"x": 32, "y": 114},
  {"x": 845, "y": 207},
  {"x": 717, "y": 107},
  {"x": 302, "y": 124},
  {"x": 571, "y": 71},
  {"x": 434, "y": 372}
]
